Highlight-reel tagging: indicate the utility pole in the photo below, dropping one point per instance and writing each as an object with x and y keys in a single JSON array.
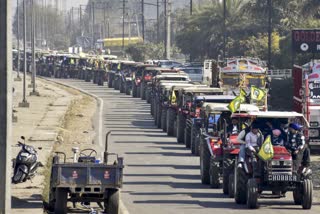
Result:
[
  {"x": 190, "y": 7},
  {"x": 169, "y": 30},
  {"x": 24, "y": 102},
  {"x": 92, "y": 9},
  {"x": 224, "y": 28},
  {"x": 34, "y": 70},
  {"x": 165, "y": 28},
  {"x": 80, "y": 19},
  {"x": 158, "y": 24},
  {"x": 104, "y": 20},
  {"x": 6, "y": 105},
  {"x": 123, "y": 14},
  {"x": 18, "y": 78},
  {"x": 269, "y": 34},
  {"x": 142, "y": 18}
]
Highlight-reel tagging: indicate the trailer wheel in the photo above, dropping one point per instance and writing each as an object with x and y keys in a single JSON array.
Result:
[
  {"x": 112, "y": 203},
  {"x": 252, "y": 194},
  {"x": 307, "y": 188},
  {"x": 61, "y": 201},
  {"x": 204, "y": 163}
]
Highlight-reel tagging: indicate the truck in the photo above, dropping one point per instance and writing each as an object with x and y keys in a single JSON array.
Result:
[
  {"x": 306, "y": 99},
  {"x": 238, "y": 73}
]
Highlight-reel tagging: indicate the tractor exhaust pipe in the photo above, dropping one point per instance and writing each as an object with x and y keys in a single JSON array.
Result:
[{"x": 105, "y": 160}]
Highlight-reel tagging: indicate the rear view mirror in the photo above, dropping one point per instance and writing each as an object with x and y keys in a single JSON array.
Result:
[{"x": 22, "y": 137}]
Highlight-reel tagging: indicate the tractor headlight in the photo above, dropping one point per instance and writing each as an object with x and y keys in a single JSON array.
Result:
[
  {"x": 275, "y": 163},
  {"x": 313, "y": 132}
]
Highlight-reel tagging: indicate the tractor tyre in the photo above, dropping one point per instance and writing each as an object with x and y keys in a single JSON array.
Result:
[
  {"x": 297, "y": 196},
  {"x": 307, "y": 188},
  {"x": 252, "y": 194},
  {"x": 205, "y": 163},
  {"x": 181, "y": 123},
  {"x": 187, "y": 136},
  {"x": 159, "y": 110},
  {"x": 228, "y": 166},
  {"x": 240, "y": 194},
  {"x": 112, "y": 204},
  {"x": 214, "y": 174},
  {"x": 170, "y": 122},
  {"x": 164, "y": 120},
  {"x": 61, "y": 201},
  {"x": 231, "y": 186},
  {"x": 195, "y": 140}
]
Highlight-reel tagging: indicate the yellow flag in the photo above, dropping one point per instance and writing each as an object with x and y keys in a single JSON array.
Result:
[
  {"x": 119, "y": 66},
  {"x": 266, "y": 152},
  {"x": 234, "y": 105},
  {"x": 173, "y": 97},
  {"x": 257, "y": 93}
]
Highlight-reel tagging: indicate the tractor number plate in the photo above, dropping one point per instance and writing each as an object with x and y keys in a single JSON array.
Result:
[{"x": 282, "y": 178}]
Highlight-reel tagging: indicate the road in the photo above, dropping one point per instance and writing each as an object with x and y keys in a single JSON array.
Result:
[{"x": 161, "y": 176}]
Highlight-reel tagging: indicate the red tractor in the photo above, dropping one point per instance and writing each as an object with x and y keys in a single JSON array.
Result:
[
  {"x": 279, "y": 175},
  {"x": 218, "y": 150}
]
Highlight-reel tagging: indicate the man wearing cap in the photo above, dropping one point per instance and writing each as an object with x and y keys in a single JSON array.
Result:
[
  {"x": 297, "y": 146},
  {"x": 253, "y": 140}
]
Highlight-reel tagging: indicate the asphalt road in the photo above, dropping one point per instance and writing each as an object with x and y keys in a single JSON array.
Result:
[{"x": 161, "y": 176}]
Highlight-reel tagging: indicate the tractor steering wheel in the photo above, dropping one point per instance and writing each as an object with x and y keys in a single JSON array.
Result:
[{"x": 83, "y": 153}]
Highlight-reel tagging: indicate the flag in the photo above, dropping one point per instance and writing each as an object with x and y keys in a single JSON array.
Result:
[
  {"x": 234, "y": 105},
  {"x": 257, "y": 93},
  {"x": 266, "y": 152},
  {"x": 119, "y": 66},
  {"x": 173, "y": 97}
]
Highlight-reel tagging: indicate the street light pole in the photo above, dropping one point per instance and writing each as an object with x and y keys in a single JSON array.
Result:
[
  {"x": 33, "y": 27},
  {"x": 24, "y": 102},
  {"x": 165, "y": 28},
  {"x": 158, "y": 24},
  {"x": 18, "y": 43},
  {"x": 224, "y": 28},
  {"x": 142, "y": 18},
  {"x": 269, "y": 34},
  {"x": 5, "y": 105},
  {"x": 190, "y": 7},
  {"x": 169, "y": 30},
  {"x": 123, "y": 14}
]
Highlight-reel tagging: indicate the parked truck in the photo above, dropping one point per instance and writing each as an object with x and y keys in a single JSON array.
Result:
[{"x": 306, "y": 98}]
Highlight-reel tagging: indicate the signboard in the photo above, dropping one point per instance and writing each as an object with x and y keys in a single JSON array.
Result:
[
  {"x": 314, "y": 90},
  {"x": 306, "y": 41}
]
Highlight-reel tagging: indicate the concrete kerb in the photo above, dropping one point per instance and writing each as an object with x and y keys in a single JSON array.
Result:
[{"x": 99, "y": 114}]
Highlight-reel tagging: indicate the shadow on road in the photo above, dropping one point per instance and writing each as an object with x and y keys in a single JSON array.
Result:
[{"x": 34, "y": 202}]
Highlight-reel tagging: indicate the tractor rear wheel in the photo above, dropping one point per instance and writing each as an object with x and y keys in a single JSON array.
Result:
[
  {"x": 170, "y": 121},
  {"x": 204, "y": 163},
  {"x": 214, "y": 174},
  {"x": 181, "y": 123},
  {"x": 187, "y": 136}
]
